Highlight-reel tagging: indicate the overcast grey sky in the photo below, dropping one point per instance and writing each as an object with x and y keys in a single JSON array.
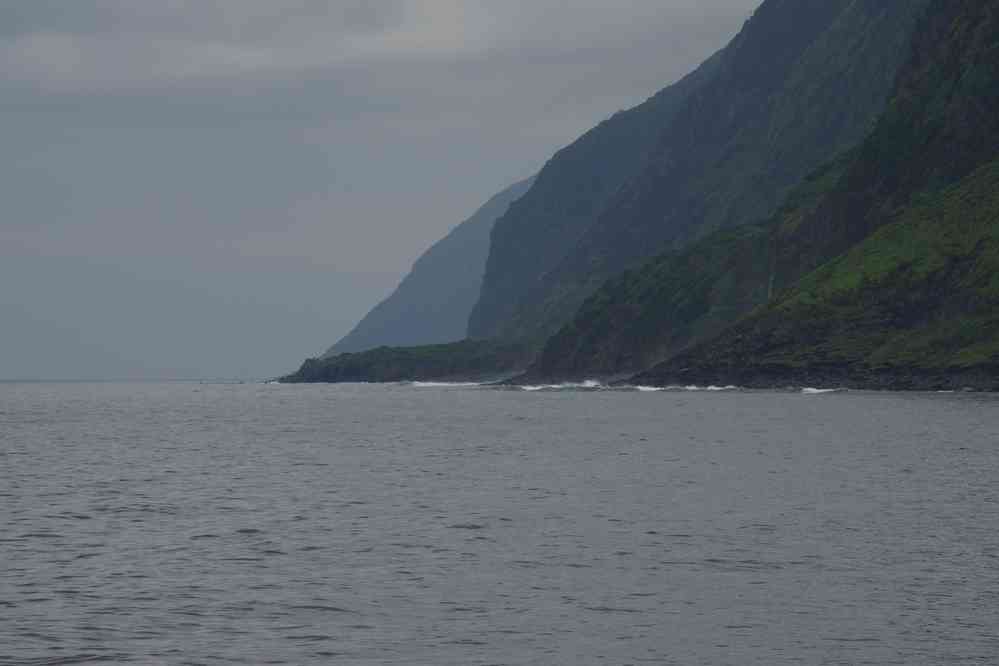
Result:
[{"x": 198, "y": 189}]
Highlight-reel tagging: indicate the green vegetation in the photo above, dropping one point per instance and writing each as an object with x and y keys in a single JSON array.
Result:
[
  {"x": 892, "y": 278},
  {"x": 914, "y": 305},
  {"x": 922, "y": 291},
  {"x": 643, "y": 316},
  {"x": 680, "y": 298}
]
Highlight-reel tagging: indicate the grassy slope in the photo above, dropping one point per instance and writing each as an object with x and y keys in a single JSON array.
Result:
[
  {"x": 638, "y": 318},
  {"x": 922, "y": 292},
  {"x": 915, "y": 305},
  {"x": 909, "y": 298}
]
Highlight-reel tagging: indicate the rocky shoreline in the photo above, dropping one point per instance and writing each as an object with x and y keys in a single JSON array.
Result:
[
  {"x": 976, "y": 378},
  {"x": 981, "y": 378}
]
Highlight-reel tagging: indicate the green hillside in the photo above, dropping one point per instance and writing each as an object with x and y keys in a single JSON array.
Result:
[
  {"x": 915, "y": 305},
  {"x": 907, "y": 293}
]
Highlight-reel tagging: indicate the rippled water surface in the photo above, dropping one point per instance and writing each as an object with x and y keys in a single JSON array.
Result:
[{"x": 202, "y": 524}]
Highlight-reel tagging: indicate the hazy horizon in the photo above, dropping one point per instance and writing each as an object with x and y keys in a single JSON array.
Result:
[{"x": 202, "y": 191}]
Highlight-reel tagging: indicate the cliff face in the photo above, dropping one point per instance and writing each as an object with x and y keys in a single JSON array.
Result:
[
  {"x": 906, "y": 243},
  {"x": 679, "y": 298},
  {"x": 572, "y": 189},
  {"x": 803, "y": 80},
  {"x": 432, "y": 303},
  {"x": 939, "y": 126}
]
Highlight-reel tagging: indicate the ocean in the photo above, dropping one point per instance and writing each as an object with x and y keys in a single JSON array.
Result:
[{"x": 187, "y": 523}]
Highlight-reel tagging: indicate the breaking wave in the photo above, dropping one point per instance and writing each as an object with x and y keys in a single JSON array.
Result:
[
  {"x": 593, "y": 385},
  {"x": 589, "y": 384},
  {"x": 712, "y": 389}
]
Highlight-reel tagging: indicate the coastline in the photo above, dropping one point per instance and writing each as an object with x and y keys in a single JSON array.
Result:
[
  {"x": 773, "y": 377},
  {"x": 983, "y": 378}
]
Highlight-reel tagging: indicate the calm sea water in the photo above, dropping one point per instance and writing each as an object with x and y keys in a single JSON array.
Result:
[{"x": 206, "y": 524}]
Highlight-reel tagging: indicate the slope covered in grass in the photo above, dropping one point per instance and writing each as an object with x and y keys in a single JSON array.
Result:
[{"x": 915, "y": 305}]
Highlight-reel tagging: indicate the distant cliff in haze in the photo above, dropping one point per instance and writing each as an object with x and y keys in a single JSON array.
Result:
[{"x": 432, "y": 303}]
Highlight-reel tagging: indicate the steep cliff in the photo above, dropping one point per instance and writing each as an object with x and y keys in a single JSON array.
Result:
[
  {"x": 803, "y": 80},
  {"x": 432, "y": 303},
  {"x": 572, "y": 189}
]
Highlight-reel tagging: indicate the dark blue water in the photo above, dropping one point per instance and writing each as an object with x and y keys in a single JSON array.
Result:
[{"x": 205, "y": 524}]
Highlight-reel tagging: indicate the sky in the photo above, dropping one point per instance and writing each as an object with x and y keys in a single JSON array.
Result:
[{"x": 198, "y": 189}]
